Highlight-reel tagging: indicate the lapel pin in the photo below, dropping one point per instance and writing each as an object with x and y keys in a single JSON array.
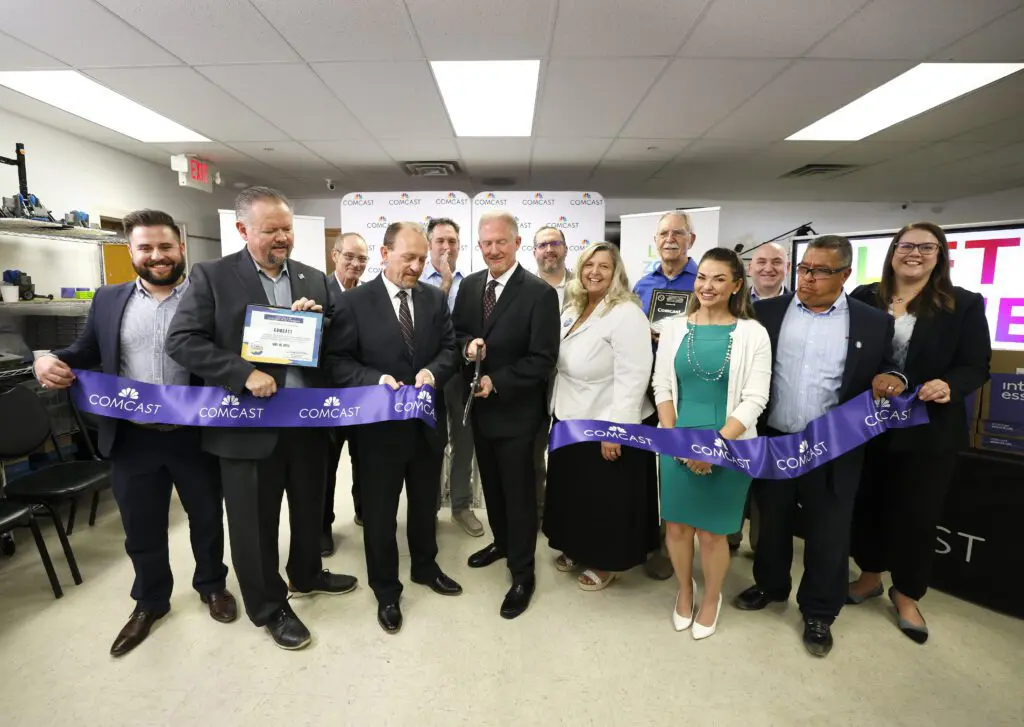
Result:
[
  {"x": 858, "y": 344},
  {"x": 301, "y": 276}
]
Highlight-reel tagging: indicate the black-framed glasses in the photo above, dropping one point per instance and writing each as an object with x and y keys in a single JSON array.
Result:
[
  {"x": 925, "y": 248},
  {"x": 815, "y": 273}
]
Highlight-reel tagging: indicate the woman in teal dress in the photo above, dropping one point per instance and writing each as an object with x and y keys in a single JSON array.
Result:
[{"x": 713, "y": 371}]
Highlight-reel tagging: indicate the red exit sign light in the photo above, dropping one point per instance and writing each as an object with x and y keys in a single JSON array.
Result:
[{"x": 199, "y": 171}]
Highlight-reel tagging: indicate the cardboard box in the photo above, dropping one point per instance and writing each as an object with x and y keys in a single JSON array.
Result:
[{"x": 1002, "y": 399}]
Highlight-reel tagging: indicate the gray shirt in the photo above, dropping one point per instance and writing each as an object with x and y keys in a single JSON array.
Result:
[
  {"x": 143, "y": 334},
  {"x": 279, "y": 293}
]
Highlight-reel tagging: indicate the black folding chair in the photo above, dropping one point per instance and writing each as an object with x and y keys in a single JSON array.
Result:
[{"x": 13, "y": 515}]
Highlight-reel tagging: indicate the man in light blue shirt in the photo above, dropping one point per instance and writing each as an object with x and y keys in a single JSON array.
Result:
[{"x": 443, "y": 236}]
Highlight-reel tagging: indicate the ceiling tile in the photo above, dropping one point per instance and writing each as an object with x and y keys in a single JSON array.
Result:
[
  {"x": 594, "y": 28},
  {"x": 290, "y": 157},
  {"x": 82, "y": 34},
  {"x": 327, "y": 30},
  {"x": 206, "y": 31},
  {"x": 642, "y": 156},
  {"x": 419, "y": 150},
  {"x": 483, "y": 29},
  {"x": 908, "y": 29},
  {"x": 802, "y": 94},
  {"x": 592, "y": 98},
  {"x": 17, "y": 56},
  {"x": 864, "y": 153},
  {"x": 352, "y": 153},
  {"x": 693, "y": 95},
  {"x": 559, "y": 151},
  {"x": 1008, "y": 130},
  {"x": 477, "y": 152},
  {"x": 779, "y": 29},
  {"x": 1001, "y": 41},
  {"x": 190, "y": 99},
  {"x": 303, "y": 107},
  {"x": 392, "y": 99}
]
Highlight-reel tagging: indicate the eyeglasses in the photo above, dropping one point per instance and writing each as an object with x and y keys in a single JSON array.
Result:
[
  {"x": 552, "y": 245},
  {"x": 925, "y": 248},
  {"x": 349, "y": 257},
  {"x": 816, "y": 273}
]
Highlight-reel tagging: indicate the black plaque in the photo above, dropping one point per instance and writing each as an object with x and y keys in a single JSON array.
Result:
[{"x": 667, "y": 304}]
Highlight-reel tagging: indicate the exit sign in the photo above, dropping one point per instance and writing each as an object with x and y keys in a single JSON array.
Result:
[{"x": 193, "y": 172}]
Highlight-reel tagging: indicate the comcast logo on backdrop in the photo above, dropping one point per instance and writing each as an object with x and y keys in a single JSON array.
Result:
[
  {"x": 451, "y": 199},
  {"x": 357, "y": 200},
  {"x": 380, "y": 223},
  {"x": 564, "y": 223},
  {"x": 490, "y": 200},
  {"x": 586, "y": 200},
  {"x": 538, "y": 200},
  {"x": 404, "y": 200}
]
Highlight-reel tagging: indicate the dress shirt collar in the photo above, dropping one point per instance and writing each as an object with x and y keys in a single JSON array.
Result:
[
  {"x": 284, "y": 270},
  {"x": 342, "y": 285},
  {"x": 503, "y": 280},
  {"x": 429, "y": 271},
  {"x": 178, "y": 289},
  {"x": 840, "y": 304},
  {"x": 689, "y": 269},
  {"x": 754, "y": 296},
  {"x": 392, "y": 288}
]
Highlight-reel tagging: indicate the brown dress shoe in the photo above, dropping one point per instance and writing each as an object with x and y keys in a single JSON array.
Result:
[
  {"x": 136, "y": 630},
  {"x": 223, "y": 606}
]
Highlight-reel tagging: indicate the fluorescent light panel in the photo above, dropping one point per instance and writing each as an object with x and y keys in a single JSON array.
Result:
[
  {"x": 489, "y": 98},
  {"x": 921, "y": 88},
  {"x": 72, "y": 92}
]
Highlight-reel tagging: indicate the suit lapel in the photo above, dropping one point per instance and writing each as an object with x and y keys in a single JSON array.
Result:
[
  {"x": 919, "y": 338},
  {"x": 510, "y": 291},
  {"x": 245, "y": 268},
  {"x": 422, "y": 318},
  {"x": 854, "y": 348},
  {"x": 117, "y": 316},
  {"x": 300, "y": 284},
  {"x": 595, "y": 316}
]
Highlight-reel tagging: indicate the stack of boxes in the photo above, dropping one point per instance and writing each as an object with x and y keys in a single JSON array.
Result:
[{"x": 1000, "y": 422}]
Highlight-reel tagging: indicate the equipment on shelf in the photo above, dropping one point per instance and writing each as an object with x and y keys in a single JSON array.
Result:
[
  {"x": 24, "y": 205},
  {"x": 26, "y": 288}
]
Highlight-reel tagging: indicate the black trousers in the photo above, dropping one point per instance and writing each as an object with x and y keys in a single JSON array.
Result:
[
  {"x": 826, "y": 495},
  {"x": 253, "y": 489},
  {"x": 336, "y": 439},
  {"x": 146, "y": 464},
  {"x": 401, "y": 453},
  {"x": 898, "y": 506},
  {"x": 510, "y": 491}
]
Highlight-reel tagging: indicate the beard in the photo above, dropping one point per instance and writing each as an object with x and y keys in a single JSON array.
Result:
[
  {"x": 147, "y": 274},
  {"x": 550, "y": 265}
]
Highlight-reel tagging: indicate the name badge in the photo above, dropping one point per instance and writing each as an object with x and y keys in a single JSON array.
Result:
[{"x": 282, "y": 336}]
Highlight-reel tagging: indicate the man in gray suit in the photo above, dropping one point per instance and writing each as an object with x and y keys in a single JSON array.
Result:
[{"x": 260, "y": 465}]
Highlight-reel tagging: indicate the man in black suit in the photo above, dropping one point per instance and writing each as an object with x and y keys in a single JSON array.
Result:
[
  {"x": 508, "y": 318},
  {"x": 391, "y": 331},
  {"x": 350, "y": 256},
  {"x": 124, "y": 334},
  {"x": 826, "y": 349},
  {"x": 260, "y": 465}
]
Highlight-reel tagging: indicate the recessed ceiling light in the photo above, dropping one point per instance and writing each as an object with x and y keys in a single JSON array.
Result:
[
  {"x": 921, "y": 88},
  {"x": 72, "y": 92},
  {"x": 488, "y": 98}
]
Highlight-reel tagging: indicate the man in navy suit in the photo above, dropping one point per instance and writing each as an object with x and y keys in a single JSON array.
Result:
[{"x": 125, "y": 335}]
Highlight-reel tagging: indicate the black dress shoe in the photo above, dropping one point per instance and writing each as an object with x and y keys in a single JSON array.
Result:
[
  {"x": 223, "y": 606},
  {"x": 389, "y": 616},
  {"x": 136, "y": 630},
  {"x": 442, "y": 584},
  {"x": 332, "y": 584},
  {"x": 817, "y": 636},
  {"x": 517, "y": 599},
  {"x": 288, "y": 631},
  {"x": 326, "y": 544},
  {"x": 754, "y": 599},
  {"x": 483, "y": 558}
]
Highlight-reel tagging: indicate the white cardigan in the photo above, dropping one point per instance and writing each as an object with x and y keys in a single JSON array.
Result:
[
  {"x": 750, "y": 370},
  {"x": 604, "y": 366}
]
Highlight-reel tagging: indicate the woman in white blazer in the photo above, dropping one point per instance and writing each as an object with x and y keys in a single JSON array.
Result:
[
  {"x": 601, "y": 508},
  {"x": 713, "y": 371}
]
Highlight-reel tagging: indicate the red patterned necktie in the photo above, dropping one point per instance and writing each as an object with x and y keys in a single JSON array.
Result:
[
  {"x": 490, "y": 299},
  {"x": 405, "y": 321}
]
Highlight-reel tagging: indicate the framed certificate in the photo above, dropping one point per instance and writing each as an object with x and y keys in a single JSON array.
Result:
[
  {"x": 666, "y": 304},
  {"x": 282, "y": 336}
]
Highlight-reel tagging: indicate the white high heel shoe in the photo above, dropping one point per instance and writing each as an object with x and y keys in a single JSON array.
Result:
[
  {"x": 701, "y": 631},
  {"x": 681, "y": 623}
]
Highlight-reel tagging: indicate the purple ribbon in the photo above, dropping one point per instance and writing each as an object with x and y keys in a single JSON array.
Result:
[
  {"x": 828, "y": 437},
  {"x": 208, "y": 406}
]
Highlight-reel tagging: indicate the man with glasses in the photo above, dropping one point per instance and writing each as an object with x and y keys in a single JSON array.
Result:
[
  {"x": 826, "y": 350},
  {"x": 350, "y": 256},
  {"x": 676, "y": 270},
  {"x": 443, "y": 239}
]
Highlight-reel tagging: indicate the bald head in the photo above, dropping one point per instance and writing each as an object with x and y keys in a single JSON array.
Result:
[{"x": 769, "y": 268}]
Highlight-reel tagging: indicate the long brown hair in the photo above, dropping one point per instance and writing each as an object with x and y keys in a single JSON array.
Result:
[
  {"x": 739, "y": 303},
  {"x": 937, "y": 294}
]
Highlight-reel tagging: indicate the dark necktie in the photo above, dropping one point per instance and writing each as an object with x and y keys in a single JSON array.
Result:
[
  {"x": 405, "y": 321},
  {"x": 490, "y": 299}
]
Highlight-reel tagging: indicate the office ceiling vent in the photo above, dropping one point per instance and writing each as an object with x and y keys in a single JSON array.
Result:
[
  {"x": 820, "y": 170},
  {"x": 432, "y": 169}
]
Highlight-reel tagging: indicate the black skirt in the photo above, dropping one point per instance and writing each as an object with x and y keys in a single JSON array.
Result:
[{"x": 602, "y": 514}]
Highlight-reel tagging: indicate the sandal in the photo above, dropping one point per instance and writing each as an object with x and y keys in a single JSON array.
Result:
[
  {"x": 596, "y": 582},
  {"x": 565, "y": 564}
]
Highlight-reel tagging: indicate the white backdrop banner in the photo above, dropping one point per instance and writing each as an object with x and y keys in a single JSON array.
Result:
[
  {"x": 579, "y": 215},
  {"x": 370, "y": 213},
  {"x": 309, "y": 239},
  {"x": 639, "y": 253}
]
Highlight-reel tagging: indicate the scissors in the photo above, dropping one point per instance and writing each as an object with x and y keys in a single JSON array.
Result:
[{"x": 474, "y": 387}]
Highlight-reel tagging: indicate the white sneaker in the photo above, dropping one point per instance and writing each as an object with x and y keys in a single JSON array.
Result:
[
  {"x": 681, "y": 623},
  {"x": 702, "y": 632}
]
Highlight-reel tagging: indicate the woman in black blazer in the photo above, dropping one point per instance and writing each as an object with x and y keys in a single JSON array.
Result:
[{"x": 942, "y": 344}]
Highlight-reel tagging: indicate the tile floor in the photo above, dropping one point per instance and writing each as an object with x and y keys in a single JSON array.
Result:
[{"x": 574, "y": 658}]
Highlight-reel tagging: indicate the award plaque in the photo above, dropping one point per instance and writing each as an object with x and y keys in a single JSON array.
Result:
[
  {"x": 666, "y": 304},
  {"x": 282, "y": 336}
]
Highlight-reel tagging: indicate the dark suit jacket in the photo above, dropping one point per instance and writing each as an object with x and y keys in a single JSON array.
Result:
[
  {"x": 522, "y": 349},
  {"x": 334, "y": 290},
  {"x": 366, "y": 343},
  {"x": 950, "y": 345},
  {"x": 205, "y": 337}
]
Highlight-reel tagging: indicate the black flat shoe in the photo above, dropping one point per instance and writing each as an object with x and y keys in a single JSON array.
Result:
[
  {"x": 517, "y": 600},
  {"x": 389, "y": 616},
  {"x": 288, "y": 631},
  {"x": 817, "y": 637},
  {"x": 442, "y": 585},
  {"x": 487, "y": 556},
  {"x": 754, "y": 599},
  {"x": 917, "y": 634}
]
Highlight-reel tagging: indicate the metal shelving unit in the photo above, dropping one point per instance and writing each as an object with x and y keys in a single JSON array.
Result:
[{"x": 58, "y": 231}]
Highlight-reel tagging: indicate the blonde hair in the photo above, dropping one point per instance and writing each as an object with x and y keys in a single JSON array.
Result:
[
  {"x": 505, "y": 217},
  {"x": 618, "y": 292}
]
